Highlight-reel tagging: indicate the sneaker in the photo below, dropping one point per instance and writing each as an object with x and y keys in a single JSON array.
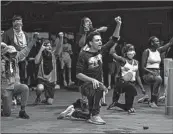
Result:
[
  {"x": 96, "y": 120},
  {"x": 23, "y": 115},
  {"x": 153, "y": 105},
  {"x": 143, "y": 99},
  {"x": 44, "y": 101},
  {"x": 103, "y": 104},
  {"x": 70, "y": 83},
  {"x": 67, "y": 112},
  {"x": 113, "y": 104},
  {"x": 131, "y": 111},
  {"x": 65, "y": 83},
  {"x": 162, "y": 99},
  {"x": 14, "y": 102},
  {"x": 37, "y": 101}
]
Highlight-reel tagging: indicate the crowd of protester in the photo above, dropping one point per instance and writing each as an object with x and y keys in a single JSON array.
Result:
[{"x": 40, "y": 64}]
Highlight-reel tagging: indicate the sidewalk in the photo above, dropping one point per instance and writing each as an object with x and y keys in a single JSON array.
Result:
[{"x": 43, "y": 118}]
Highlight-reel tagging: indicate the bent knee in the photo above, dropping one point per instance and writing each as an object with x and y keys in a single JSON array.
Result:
[
  {"x": 40, "y": 87},
  {"x": 25, "y": 87},
  {"x": 158, "y": 79},
  {"x": 50, "y": 101}
]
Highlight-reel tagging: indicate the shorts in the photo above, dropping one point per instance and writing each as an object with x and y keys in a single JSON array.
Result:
[
  {"x": 49, "y": 88},
  {"x": 65, "y": 62}
]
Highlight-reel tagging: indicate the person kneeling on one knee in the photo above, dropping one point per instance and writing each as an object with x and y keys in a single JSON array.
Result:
[{"x": 46, "y": 59}]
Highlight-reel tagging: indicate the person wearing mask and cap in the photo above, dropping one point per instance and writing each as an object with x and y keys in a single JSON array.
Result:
[
  {"x": 46, "y": 59},
  {"x": 15, "y": 36},
  {"x": 10, "y": 79}
]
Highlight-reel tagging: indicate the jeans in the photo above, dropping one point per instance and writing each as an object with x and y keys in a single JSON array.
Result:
[
  {"x": 19, "y": 89},
  {"x": 94, "y": 96},
  {"x": 155, "y": 83},
  {"x": 130, "y": 92}
]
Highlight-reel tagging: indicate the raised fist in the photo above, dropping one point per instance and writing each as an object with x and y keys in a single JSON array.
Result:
[
  {"x": 61, "y": 34},
  {"x": 118, "y": 20}
]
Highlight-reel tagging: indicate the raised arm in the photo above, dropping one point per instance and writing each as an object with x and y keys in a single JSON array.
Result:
[
  {"x": 165, "y": 47},
  {"x": 24, "y": 52},
  {"x": 38, "y": 57},
  {"x": 115, "y": 56},
  {"x": 58, "y": 49},
  {"x": 115, "y": 36}
]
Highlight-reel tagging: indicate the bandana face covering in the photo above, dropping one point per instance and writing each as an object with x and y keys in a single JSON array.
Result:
[
  {"x": 47, "y": 62},
  {"x": 131, "y": 54}
]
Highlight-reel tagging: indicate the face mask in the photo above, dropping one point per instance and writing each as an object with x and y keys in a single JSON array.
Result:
[{"x": 131, "y": 54}]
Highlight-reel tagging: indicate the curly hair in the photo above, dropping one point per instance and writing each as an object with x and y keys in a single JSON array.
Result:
[{"x": 126, "y": 48}]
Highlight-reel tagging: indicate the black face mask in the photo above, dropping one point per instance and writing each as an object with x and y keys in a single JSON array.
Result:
[{"x": 47, "y": 62}]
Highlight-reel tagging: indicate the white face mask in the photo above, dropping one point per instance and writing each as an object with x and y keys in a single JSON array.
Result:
[{"x": 131, "y": 54}]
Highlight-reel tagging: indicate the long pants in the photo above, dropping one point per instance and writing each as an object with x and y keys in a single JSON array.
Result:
[
  {"x": 155, "y": 83},
  {"x": 79, "y": 106},
  {"x": 94, "y": 96},
  {"x": 23, "y": 72},
  {"x": 130, "y": 92},
  {"x": 19, "y": 89},
  {"x": 32, "y": 71}
]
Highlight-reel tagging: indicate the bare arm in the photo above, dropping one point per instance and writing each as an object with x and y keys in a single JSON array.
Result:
[
  {"x": 165, "y": 47},
  {"x": 38, "y": 57},
  {"x": 115, "y": 56},
  {"x": 58, "y": 49},
  {"x": 24, "y": 52},
  {"x": 138, "y": 79},
  {"x": 115, "y": 36},
  {"x": 82, "y": 40}
]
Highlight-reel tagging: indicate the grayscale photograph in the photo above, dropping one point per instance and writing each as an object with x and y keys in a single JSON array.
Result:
[{"x": 86, "y": 67}]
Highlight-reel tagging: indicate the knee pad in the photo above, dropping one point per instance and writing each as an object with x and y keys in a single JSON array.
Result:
[
  {"x": 40, "y": 87},
  {"x": 50, "y": 101}
]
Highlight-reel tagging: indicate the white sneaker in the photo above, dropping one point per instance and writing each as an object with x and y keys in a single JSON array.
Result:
[
  {"x": 153, "y": 105},
  {"x": 161, "y": 99},
  {"x": 96, "y": 120},
  {"x": 68, "y": 112},
  {"x": 14, "y": 102},
  {"x": 143, "y": 99}
]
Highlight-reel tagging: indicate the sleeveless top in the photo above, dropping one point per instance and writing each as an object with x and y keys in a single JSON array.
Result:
[
  {"x": 51, "y": 77},
  {"x": 153, "y": 60},
  {"x": 130, "y": 68}
]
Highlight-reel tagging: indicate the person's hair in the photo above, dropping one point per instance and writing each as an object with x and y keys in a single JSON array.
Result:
[
  {"x": 126, "y": 48},
  {"x": 150, "y": 40},
  {"x": 16, "y": 17},
  {"x": 90, "y": 37},
  {"x": 81, "y": 29}
]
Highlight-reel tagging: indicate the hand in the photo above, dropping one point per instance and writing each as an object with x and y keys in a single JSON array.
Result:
[
  {"x": 61, "y": 34},
  {"x": 95, "y": 83},
  {"x": 43, "y": 47},
  {"x": 118, "y": 20},
  {"x": 86, "y": 28}
]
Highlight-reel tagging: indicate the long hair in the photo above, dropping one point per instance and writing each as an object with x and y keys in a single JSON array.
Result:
[{"x": 81, "y": 28}]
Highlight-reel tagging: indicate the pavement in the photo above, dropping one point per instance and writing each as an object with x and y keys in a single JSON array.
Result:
[{"x": 43, "y": 118}]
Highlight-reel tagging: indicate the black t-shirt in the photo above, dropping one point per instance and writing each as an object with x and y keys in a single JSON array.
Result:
[{"x": 90, "y": 63}]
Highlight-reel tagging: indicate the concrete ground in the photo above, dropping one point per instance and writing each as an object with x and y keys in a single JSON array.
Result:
[{"x": 43, "y": 118}]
